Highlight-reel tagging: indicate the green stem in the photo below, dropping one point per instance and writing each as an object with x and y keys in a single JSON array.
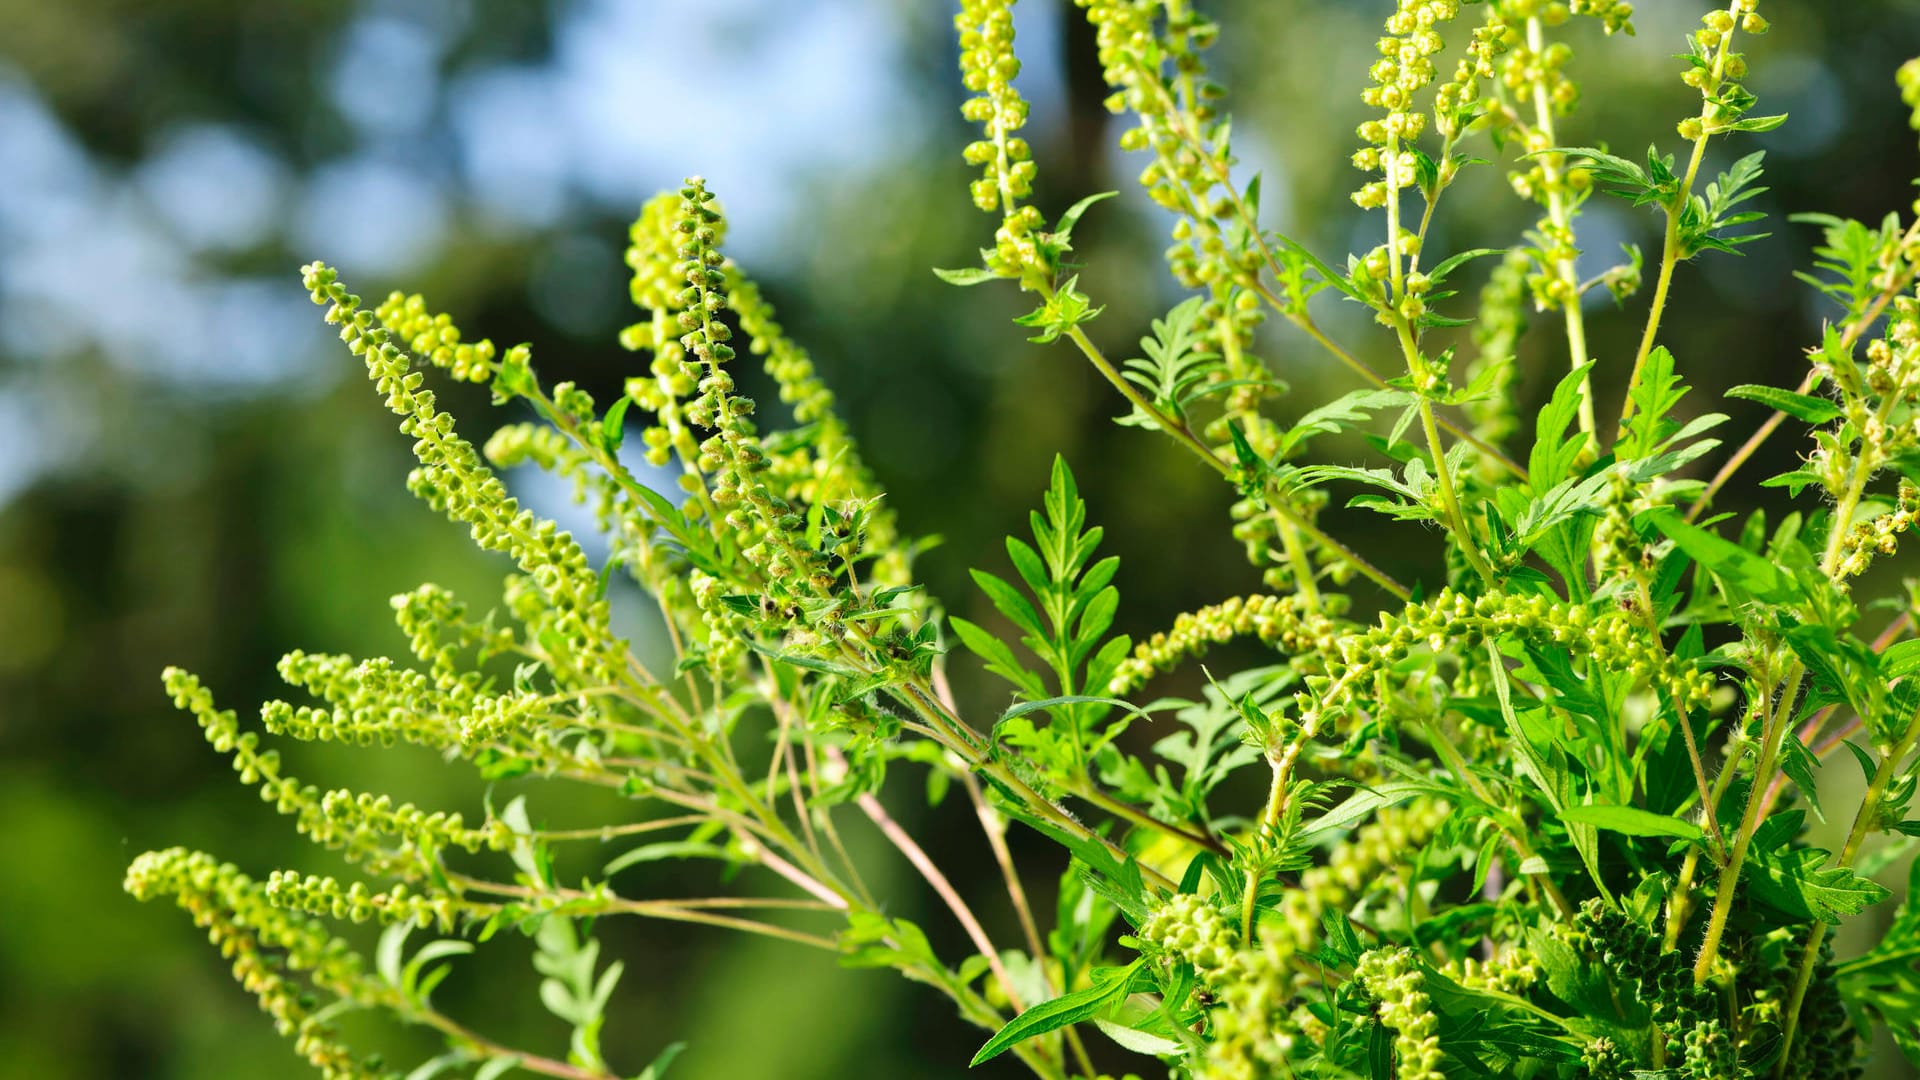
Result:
[
  {"x": 1553, "y": 167},
  {"x": 1297, "y": 559},
  {"x": 1133, "y": 814},
  {"x": 1729, "y": 881},
  {"x": 1896, "y": 283},
  {"x": 1670, "y": 253},
  {"x": 1866, "y": 459},
  {"x": 1185, "y": 436},
  {"x": 1449, "y": 499},
  {"x": 1457, "y": 764},
  {"x": 1862, "y": 824}
]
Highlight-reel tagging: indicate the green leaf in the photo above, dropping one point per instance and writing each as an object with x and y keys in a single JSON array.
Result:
[
  {"x": 495, "y": 1068},
  {"x": 1140, "y": 1042},
  {"x": 1067, "y": 308},
  {"x": 998, "y": 655},
  {"x": 665, "y": 849},
  {"x": 1729, "y": 562},
  {"x": 1110, "y": 987},
  {"x": 1453, "y": 262},
  {"x": 1010, "y": 603},
  {"x": 434, "y": 1067},
  {"x": 1758, "y": 123},
  {"x": 1797, "y": 881},
  {"x": 1338, "y": 822},
  {"x": 1178, "y": 368},
  {"x": 800, "y": 660},
  {"x": 1901, "y": 659},
  {"x": 657, "y": 1068},
  {"x": 613, "y": 426},
  {"x": 1632, "y": 821},
  {"x": 1554, "y": 453},
  {"x": 1707, "y": 216},
  {"x": 1064, "y": 228},
  {"x": 1623, "y": 179},
  {"x": 1355, "y": 407},
  {"x": 1658, "y": 391},
  {"x": 1885, "y": 983},
  {"x": 1026, "y": 707},
  {"x": 972, "y": 275},
  {"x": 1805, "y": 407}
]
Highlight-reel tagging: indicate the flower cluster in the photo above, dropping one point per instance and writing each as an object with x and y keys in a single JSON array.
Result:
[
  {"x": 1662, "y": 977},
  {"x": 1510, "y": 971},
  {"x": 373, "y": 703},
  {"x": 1453, "y": 621},
  {"x": 1255, "y": 1026},
  {"x": 824, "y": 467},
  {"x": 316, "y": 894},
  {"x": 1879, "y": 535},
  {"x": 1395, "y": 981},
  {"x": 264, "y": 943},
  {"x": 453, "y": 479},
  {"x": 1404, "y": 69},
  {"x": 988, "y": 67},
  {"x": 1718, "y": 79},
  {"x": 433, "y": 338},
  {"x": 1285, "y": 623},
  {"x": 1192, "y": 928},
  {"x": 1496, "y": 337},
  {"x": 1357, "y": 864}
]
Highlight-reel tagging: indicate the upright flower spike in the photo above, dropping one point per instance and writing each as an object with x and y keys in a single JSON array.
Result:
[
  {"x": 772, "y": 531},
  {"x": 824, "y": 468},
  {"x": 1151, "y": 56},
  {"x": 988, "y": 67},
  {"x": 453, "y": 479},
  {"x": 1404, "y": 69}
]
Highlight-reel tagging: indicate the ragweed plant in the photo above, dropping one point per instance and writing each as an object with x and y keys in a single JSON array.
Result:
[{"x": 1539, "y": 815}]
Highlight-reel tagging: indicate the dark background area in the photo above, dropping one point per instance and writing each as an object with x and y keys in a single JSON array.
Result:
[{"x": 192, "y": 471}]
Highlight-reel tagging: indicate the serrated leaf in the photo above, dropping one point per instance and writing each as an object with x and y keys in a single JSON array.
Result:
[
  {"x": 1554, "y": 451},
  {"x": 1797, "y": 882},
  {"x": 1885, "y": 983},
  {"x": 1758, "y": 123},
  {"x": 1355, "y": 407},
  {"x": 1453, "y": 262}
]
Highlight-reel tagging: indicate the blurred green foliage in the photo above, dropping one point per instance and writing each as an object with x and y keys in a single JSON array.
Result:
[{"x": 161, "y": 512}]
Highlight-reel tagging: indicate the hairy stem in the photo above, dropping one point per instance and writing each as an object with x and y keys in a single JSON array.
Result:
[{"x": 1863, "y": 820}]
